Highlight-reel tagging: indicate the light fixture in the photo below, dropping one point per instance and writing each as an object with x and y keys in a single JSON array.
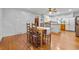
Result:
[{"x": 52, "y": 10}]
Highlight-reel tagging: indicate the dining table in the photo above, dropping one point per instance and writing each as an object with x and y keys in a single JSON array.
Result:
[{"x": 44, "y": 31}]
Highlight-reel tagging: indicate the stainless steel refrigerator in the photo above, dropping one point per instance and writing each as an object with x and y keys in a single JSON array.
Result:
[{"x": 77, "y": 25}]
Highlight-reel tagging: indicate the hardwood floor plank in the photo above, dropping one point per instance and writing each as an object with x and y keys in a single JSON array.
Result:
[{"x": 61, "y": 41}]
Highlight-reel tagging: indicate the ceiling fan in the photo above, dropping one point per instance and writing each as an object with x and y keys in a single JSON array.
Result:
[{"x": 52, "y": 10}]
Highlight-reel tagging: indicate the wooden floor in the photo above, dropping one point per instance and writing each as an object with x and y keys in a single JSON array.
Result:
[
  {"x": 15, "y": 42},
  {"x": 60, "y": 41},
  {"x": 64, "y": 41}
]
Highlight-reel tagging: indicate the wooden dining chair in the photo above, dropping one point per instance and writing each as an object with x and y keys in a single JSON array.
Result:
[
  {"x": 35, "y": 36},
  {"x": 28, "y": 30},
  {"x": 28, "y": 35}
]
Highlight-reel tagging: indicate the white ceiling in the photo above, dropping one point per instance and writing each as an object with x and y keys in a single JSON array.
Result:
[
  {"x": 45, "y": 10},
  {"x": 40, "y": 11}
]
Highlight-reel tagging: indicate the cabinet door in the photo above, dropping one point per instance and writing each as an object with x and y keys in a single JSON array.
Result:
[
  {"x": 63, "y": 27},
  {"x": 72, "y": 24}
]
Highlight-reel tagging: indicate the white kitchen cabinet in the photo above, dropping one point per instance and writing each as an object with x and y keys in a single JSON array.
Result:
[
  {"x": 55, "y": 27},
  {"x": 70, "y": 24}
]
